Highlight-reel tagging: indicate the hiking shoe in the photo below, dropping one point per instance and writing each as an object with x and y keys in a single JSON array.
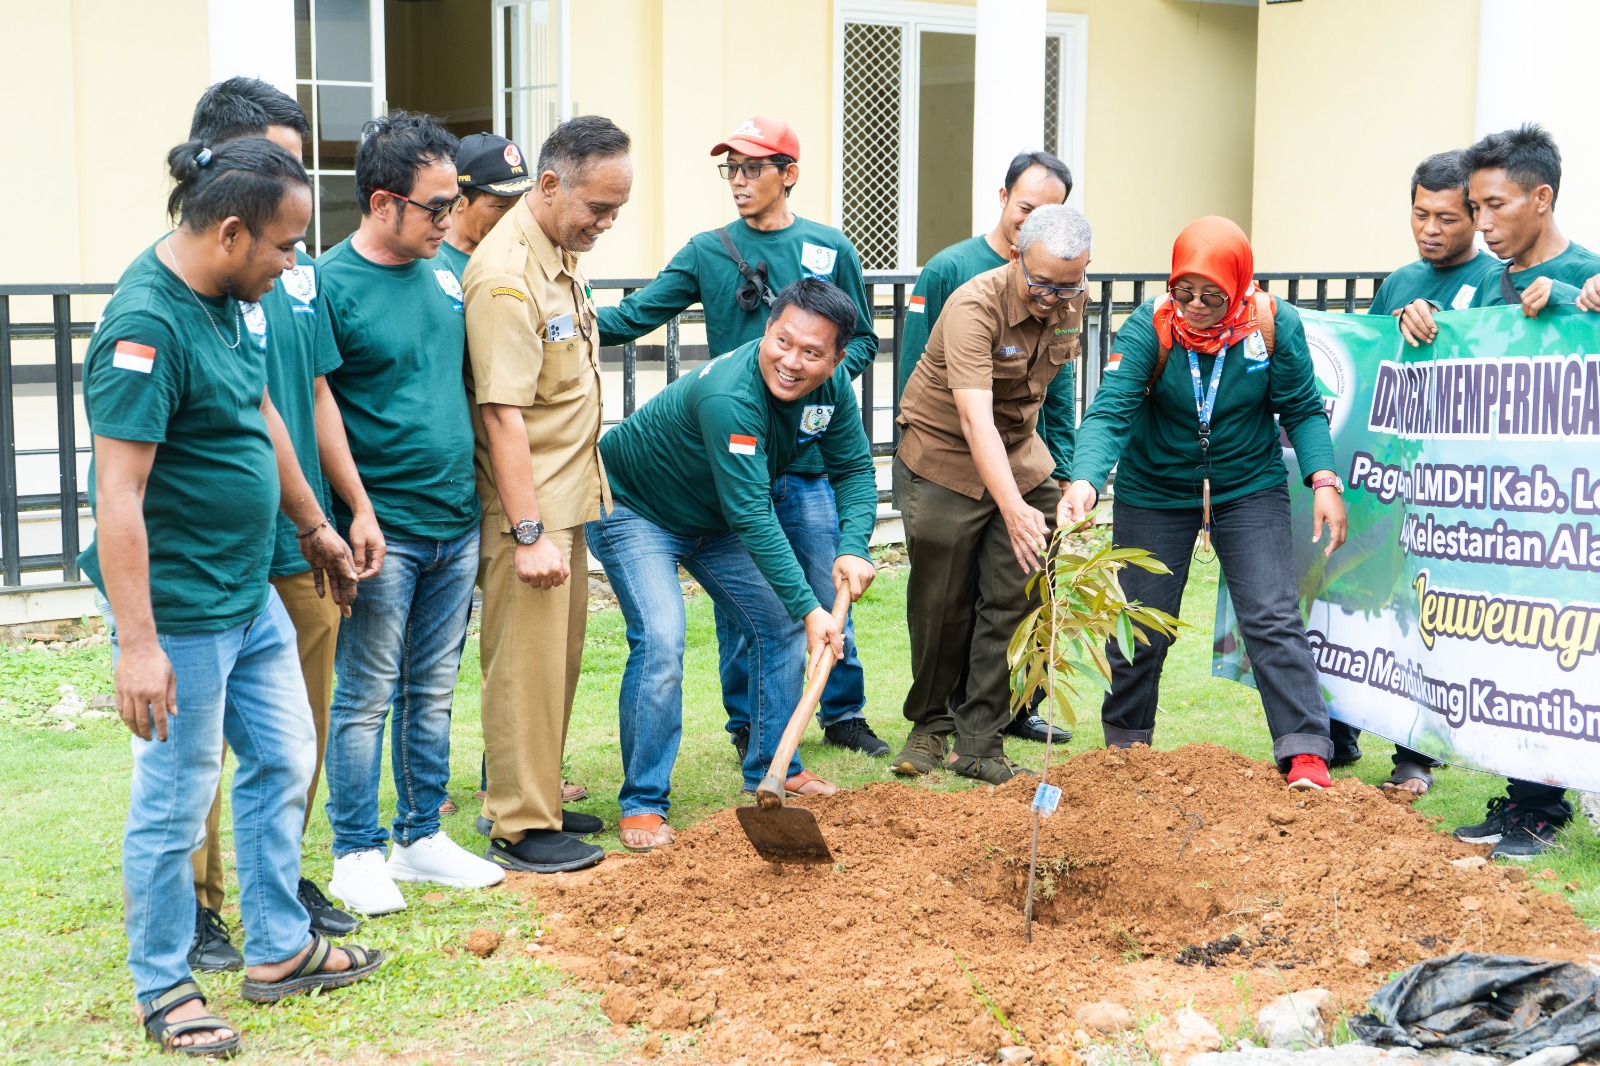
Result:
[
  {"x": 855, "y": 734},
  {"x": 1526, "y": 838},
  {"x": 210, "y": 951},
  {"x": 923, "y": 753},
  {"x": 1309, "y": 772},
  {"x": 325, "y": 917},
  {"x": 362, "y": 883},
  {"x": 545, "y": 851},
  {"x": 1033, "y": 727},
  {"x": 1345, "y": 756},
  {"x": 439, "y": 859},
  {"x": 1501, "y": 818},
  {"x": 996, "y": 770},
  {"x": 741, "y": 742}
]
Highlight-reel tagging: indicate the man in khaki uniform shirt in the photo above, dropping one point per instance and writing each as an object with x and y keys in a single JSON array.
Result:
[
  {"x": 973, "y": 480},
  {"x": 534, "y": 372}
]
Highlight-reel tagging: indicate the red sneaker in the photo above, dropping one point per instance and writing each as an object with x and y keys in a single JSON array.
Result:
[{"x": 1309, "y": 771}]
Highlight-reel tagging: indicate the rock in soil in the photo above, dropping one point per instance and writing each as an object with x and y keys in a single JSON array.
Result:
[
  {"x": 1175, "y": 1040},
  {"x": 1297, "y": 1021},
  {"x": 1152, "y": 856},
  {"x": 482, "y": 942},
  {"x": 1103, "y": 1016}
]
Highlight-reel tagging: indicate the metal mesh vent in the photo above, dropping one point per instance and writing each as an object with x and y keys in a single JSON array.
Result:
[
  {"x": 872, "y": 88},
  {"x": 1052, "y": 95}
]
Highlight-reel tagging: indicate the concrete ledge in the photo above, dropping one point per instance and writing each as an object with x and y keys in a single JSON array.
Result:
[{"x": 33, "y": 604}]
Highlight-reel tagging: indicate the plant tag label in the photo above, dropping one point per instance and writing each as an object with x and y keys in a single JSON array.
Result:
[{"x": 1046, "y": 799}]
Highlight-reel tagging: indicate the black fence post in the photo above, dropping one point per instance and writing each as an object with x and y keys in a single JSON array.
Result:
[
  {"x": 10, "y": 534},
  {"x": 66, "y": 435}
]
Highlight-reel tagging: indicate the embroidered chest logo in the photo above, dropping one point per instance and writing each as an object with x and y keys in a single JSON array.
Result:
[
  {"x": 301, "y": 285},
  {"x": 1255, "y": 348},
  {"x": 451, "y": 286},
  {"x": 1010, "y": 351},
  {"x": 255, "y": 320},
  {"x": 814, "y": 421},
  {"x": 817, "y": 261}
]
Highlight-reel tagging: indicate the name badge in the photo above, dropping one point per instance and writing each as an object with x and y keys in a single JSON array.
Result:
[
  {"x": 1010, "y": 351},
  {"x": 560, "y": 328}
]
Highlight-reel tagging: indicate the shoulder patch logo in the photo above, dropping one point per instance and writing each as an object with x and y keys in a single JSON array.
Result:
[
  {"x": 918, "y": 305},
  {"x": 817, "y": 261},
  {"x": 506, "y": 290},
  {"x": 130, "y": 355},
  {"x": 255, "y": 320},
  {"x": 450, "y": 284},
  {"x": 740, "y": 444},
  {"x": 301, "y": 283}
]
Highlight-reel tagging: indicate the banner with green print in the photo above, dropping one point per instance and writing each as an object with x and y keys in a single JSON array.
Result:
[{"x": 1462, "y": 616}]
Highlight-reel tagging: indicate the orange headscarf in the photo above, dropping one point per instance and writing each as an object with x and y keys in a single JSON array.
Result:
[{"x": 1217, "y": 249}]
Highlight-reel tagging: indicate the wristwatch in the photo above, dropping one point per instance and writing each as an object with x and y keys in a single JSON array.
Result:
[
  {"x": 528, "y": 531},
  {"x": 1335, "y": 482}
]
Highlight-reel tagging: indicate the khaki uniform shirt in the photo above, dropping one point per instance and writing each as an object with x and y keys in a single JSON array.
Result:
[
  {"x": 986, "y": 339},
  {"x": 520, "y": 287}
]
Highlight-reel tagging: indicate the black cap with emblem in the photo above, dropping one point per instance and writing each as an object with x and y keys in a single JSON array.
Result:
[{"x": 492, "y": 163}]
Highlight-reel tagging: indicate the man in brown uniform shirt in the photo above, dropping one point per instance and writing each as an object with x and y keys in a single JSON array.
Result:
[
  {"x": 974, "y": 486},
  {"x": 534, "y": 371}
]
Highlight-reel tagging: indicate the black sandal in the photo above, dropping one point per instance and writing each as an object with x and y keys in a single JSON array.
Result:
[
  {"x": 311, "y": 977},
  {"x": 163, "y": 1032}
]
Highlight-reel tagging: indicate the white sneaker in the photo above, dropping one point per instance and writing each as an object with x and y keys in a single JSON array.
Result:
[
  {"x": 441, "y": 860},
  {"x": 362, "y": 883}
]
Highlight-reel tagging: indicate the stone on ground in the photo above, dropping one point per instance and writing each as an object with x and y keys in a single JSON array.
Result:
[
  {"x": 1175, "y": 1040},
  {"x": 1301, "y": 1020},
  {"x": 1104, "y": 1016}
]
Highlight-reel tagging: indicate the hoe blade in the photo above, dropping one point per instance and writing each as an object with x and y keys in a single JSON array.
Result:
[{"x": 785, "y": 834}]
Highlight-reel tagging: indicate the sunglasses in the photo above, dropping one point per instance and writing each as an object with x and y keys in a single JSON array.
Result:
[
  {"x": 1182, "y": 294},
  {"x": 438, "y": 213}
]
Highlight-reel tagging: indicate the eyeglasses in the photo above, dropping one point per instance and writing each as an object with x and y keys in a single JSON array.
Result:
[
  {"x": 1055, "y": 292},
  {"x": 751, "y": 171},
  {"x": 438, "y": 213},
  {"x": 1182, "y": 294}
]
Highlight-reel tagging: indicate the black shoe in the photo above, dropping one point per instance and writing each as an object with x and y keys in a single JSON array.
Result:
[
  {"x": 1528, "y": 837},
  {"x": 1033, "y": 727},
  {"x": 741, "y": 743},
  {"x": 579, "y": 824},
  {"x": 545, "y": 851},
  {"x": 1501, "y": 819},
  {"x": 210, "y": 951},
  {"x": 856, "y": 735},
  {"x": 325, "y": 917},
  {"x": 1345, "y": 756}
]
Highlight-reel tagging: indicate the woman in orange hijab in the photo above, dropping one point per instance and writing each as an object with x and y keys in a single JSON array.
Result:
[{"x": 1199, "y": 381}]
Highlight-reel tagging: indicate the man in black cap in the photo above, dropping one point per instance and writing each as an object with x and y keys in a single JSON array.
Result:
[{"x": 492, "y": 175}]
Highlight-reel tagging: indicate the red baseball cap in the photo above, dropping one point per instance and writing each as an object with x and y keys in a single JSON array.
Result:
[{"x": 760, "y": 136}]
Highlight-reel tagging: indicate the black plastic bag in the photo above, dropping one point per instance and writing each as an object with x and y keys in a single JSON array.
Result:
[{"x": 1488, "y": 1004}]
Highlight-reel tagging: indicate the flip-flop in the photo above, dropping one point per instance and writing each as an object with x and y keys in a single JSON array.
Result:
[
  {"x": 164, "y": 1032},
  {"x": 649, "y": 823},
  {"x": 1408, "y": 771},
  {"x": 311, "y": 977},
  {"x": 794, "y": 787}
]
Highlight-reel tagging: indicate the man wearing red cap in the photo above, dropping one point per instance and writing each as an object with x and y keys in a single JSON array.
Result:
[{"x": 734, "y": 273}]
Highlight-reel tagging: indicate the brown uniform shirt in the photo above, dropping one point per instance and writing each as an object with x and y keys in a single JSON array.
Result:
[
  {"x": 986, "y": 339},
  {"x": 532, "y": 342}
]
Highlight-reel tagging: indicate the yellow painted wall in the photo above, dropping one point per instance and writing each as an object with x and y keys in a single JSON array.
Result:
[{"x": 1350, "y": 97}]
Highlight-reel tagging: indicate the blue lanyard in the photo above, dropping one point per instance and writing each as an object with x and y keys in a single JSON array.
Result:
[{"x": 1204, "y": 407}]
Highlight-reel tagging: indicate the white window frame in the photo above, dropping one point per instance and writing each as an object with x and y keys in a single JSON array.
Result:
[
  {"x": 380, "y": 106},
  {"x": 504, "y": 80},
  {"x": 914, "y": 17}
]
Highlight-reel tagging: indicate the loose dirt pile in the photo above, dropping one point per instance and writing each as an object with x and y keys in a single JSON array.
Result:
[{"x": 1190, "y": 876}]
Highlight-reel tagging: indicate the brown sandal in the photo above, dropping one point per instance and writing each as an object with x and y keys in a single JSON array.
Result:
[
  {"x": 573, "y": 793},
  {"x": 806, "y": 783},
  {"x": 645, "y": 823}
]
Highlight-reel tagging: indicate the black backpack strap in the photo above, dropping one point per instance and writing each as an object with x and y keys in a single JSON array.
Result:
[
  {"x": 751, "y": 277},
  {"x": 1508, "y": 291}
]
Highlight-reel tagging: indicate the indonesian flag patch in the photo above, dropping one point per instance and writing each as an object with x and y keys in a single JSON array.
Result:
[
  {"x": 1113, "y": 362},
  {"x": 739, "y": 444},
  {"x": 130, "y": 355},
  {"x": 919, "y": 305}
]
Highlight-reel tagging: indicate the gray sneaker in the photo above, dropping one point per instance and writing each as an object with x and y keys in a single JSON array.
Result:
[
  {"x": 923, "y": 753},
  {"x": 996, "y": 770}
]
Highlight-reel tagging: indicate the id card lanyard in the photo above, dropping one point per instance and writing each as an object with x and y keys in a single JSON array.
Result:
[{"x": 1203, "y": 406}]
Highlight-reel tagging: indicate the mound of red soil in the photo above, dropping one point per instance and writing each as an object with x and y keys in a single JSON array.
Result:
[{"x": 1163, "y": 877}]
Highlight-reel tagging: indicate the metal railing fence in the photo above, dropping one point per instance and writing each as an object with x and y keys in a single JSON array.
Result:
[{"x": 39, "y": 349}]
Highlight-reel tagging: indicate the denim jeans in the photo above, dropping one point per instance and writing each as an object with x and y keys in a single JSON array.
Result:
[
  {"x": 1253, "y": 543},
  {"x": 641, "y": 561},
  {"x": 241, "y": 685},
  {"x": 401, "y": 645},
  {"x": 810, "y": 518}
]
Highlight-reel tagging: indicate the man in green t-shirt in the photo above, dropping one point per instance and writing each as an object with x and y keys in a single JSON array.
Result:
[
  {"x": 691, "y": 477},
  {"x": 175, "y": 389},
  {"x": 1514, "y": 178},
  {"x": 493, "y": 175},
  {"x": 1032, "y": 180},
  {"x": 771, "y": 248},
  {"x": 398, "y": 322},
  {"x": 302, "y": 352},
  {"x": 1446, "y": 277}
]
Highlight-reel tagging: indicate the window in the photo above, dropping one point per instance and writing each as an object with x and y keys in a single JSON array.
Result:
[
  {"x": 531, "y": 86},
  {"x": 339, "y": 78}
]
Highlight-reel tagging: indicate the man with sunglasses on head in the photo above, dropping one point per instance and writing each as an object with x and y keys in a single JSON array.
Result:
[
  {"x": 975, "y": 489},
  {"x": 735, "y": 273},
  {"x": 398, "y": 322}
]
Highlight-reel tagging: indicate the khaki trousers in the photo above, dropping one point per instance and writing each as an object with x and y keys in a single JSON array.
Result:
[
  {"x": 531, "y": 649},
  {"x": 316, "y": 629}
]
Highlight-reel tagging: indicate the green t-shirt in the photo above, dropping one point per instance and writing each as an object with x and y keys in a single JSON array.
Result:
[
  {"x": 1569, "y": 270},
  {"x": 699, "y": 460},
  {"x": 945, "y": 273},
  {"x": 702, "y": 272},
  {"x": 156, "y": 371},
  {"x": 453, "y": 257},
  {"x": 402, "y": 337},
  {"x": 1449, "y": 289},
  {"x": 302, "y": 350},
  {"x": 1158, "y": 440}
]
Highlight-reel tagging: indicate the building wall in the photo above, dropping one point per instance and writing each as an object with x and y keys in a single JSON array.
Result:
[{"x": 1350, "y": 97}]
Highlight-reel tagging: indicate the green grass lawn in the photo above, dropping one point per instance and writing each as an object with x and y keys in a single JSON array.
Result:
[{"x": 64, "y": 992}]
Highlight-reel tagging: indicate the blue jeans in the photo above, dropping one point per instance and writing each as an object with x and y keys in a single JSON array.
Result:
[
  {"x": 810, "y": 518},
  {"x": 401, "y": 645},
  {"x": 242, "y": 685},
  {"x": 641, "y": 561}
]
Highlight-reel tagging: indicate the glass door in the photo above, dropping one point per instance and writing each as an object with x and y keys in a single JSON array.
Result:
[
  {"x": 531, "y": 87},
  {"x": 339, "y": 78}
]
